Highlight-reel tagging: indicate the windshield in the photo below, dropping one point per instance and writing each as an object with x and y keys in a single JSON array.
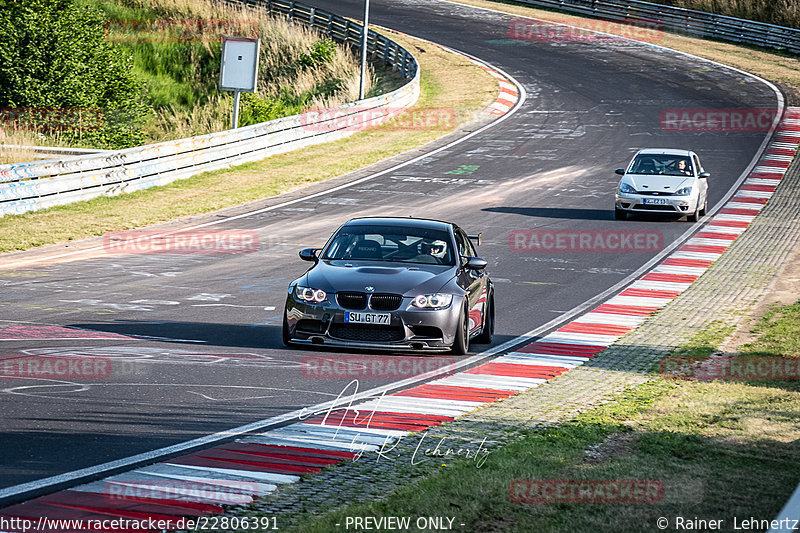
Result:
[
  {"x": 391, "y": 243},
  {"x": 670, "y": 165}
]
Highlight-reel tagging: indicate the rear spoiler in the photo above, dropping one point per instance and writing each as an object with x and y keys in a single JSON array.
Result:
[{"x": 476, "y": 238}]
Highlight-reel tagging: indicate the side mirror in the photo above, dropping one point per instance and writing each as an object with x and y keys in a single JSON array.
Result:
[
  {"x": 704, "y": 174},
  {"x": 620, "y": 171},
  {"x": 309, "y": 254},
  {"x": 476, "y": 238},
  {"x": 476, "y": 263}
]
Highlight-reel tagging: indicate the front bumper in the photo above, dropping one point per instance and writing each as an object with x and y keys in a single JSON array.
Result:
[
  {"x": 641, "y": 203},
  {"x": 409, "y": 329}
]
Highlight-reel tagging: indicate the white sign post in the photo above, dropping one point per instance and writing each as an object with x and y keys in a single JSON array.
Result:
[
  {"x": 239, "y": 70},
  {"x": 364, "y": 37}
]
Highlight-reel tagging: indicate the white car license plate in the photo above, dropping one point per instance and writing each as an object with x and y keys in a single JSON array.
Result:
[
  {"x": 351, "y": 317},
  {"x": 655, "y": 201}
]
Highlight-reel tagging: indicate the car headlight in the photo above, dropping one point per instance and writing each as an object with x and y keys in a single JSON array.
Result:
[
  {"x": 432, "y": 301},
  {"x": 307, "y": 294},
  {"x": 626, "y": 188},
  {"x": 686, "y": 191}
]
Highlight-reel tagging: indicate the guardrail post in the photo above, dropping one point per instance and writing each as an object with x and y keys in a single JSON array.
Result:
[
  {"x": 311, "y": 16},
  {"x": 291, "y": 11},
  {"x": 330, "y": 24}
]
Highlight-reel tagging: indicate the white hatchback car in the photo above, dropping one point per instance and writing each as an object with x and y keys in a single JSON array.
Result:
[{"x": 662, "y": 181}]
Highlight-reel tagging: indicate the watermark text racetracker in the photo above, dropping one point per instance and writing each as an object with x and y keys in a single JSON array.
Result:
[
  {"x": 732, "y": 120},
  {"x": 586, "y": 491},
  {"x": 372, "y": 366},
  {"x": 178, "y": 30},
  {"x": 533, "y": 241},
  {"x": 737, "y": 368},
  {"x": 219, "y": 491},
  {"x": 51, "y": 118},
  {"x": 357, "y": 118},
  {"x": 529, "y": 30},
  {"x": 63, "y": 367},
  {"x": 181, "y": 242}
]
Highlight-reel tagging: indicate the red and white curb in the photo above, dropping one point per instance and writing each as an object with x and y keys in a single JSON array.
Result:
[{"x": 506, "y": 99}]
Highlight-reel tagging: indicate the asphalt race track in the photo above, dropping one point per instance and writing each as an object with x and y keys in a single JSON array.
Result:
[{"x": 190, "y": 343}]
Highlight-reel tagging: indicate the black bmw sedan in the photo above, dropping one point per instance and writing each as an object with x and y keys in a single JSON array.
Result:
[{"x": 392, "y": 284}]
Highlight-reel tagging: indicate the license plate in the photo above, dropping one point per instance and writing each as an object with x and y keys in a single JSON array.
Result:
[
  {"x": 351, "y": 317},
  {"x": 655, "y": 201}
]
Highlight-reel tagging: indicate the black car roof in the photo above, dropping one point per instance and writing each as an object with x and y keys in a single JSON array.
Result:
[{"x": 401, "y": 221}]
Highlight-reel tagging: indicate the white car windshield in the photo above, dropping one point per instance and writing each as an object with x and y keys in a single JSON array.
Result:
[
  {"x": 391, "y": 243},
  {"x": 670, "y": 165}
]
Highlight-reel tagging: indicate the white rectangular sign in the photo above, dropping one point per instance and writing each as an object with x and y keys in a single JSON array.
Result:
[{"x": 239, "y": 71}]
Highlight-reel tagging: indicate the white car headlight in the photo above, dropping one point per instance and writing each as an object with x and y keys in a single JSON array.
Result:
[
  {"x": 432, "y": 301},
  {"x": 685, "y": 191},
  {"x": 626, "y": 188},
  {"x": 307, "y": 294}
]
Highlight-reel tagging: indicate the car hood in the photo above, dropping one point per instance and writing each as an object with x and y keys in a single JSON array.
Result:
[
  {"x": 658, "y": 182},
  {"x": 400, "y": 278}
]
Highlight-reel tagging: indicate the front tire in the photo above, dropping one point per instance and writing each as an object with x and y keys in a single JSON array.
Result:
[
  {"x": 287, "y": 339},
  {"x": 694, "y": 217},
  {"x": 620, "y": 214},
  {"x": 461, "y": 342},
  {"x": 488, "y": 323}
]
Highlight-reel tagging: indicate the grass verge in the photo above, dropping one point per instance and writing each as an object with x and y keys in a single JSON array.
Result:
[
  {"x": 720, "y": 450},
  {"x": 449, "y": 82}
]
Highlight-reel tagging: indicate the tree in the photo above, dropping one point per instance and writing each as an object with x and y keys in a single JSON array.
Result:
[{"x": 55, "y": 60}]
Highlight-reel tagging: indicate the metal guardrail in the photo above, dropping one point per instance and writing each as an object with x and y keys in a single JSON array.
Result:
[
  {"x": 42, "y": 184},
  {"x": 48, "y": 152},
  {"x": 687, "y": 21}
]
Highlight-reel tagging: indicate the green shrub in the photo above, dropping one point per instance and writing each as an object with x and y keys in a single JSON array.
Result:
[
  {"x": 322, "y": 51},
  {"x": 53, "y": 55}
]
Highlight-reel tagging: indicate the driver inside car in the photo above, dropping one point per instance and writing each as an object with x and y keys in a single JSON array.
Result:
[{"x": 431, "y": 252}]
